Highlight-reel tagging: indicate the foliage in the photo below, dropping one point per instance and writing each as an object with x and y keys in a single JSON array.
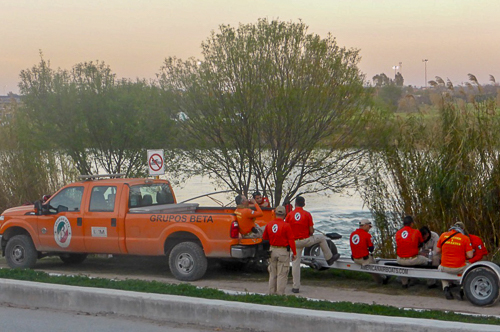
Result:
[
  {"x": 27, "y": 173},
  {"x": 270, "y": 106},
  {"x": 102, "y": 123},
  {"x": 388, "y": 96},
  {"x": 439, "y": 170},
  {"x": 210, "y": 293}
]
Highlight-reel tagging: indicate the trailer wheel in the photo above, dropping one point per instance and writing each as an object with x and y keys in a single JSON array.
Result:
[
  {"x": 20, "y": 252},
  {"x": 481, "y": 287},
  {"x": 315, "y": 251},
  {"x": 187, "y": 261},
  {"x": 73, "y": 258}
]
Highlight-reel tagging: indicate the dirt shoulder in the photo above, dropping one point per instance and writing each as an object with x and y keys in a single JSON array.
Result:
[{"x": 331, "y": 285}]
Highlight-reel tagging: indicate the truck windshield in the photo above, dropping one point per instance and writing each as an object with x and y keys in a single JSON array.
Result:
[{"x": 150, "y": 194}]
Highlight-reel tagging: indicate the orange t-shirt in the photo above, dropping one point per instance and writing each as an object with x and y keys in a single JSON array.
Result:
[
  {"x": 246, "y": 217},
  {"x": 407, "y": 241},
  {"x": 300, "y": 220},
  {"x": 453, "y": 251},
  {"x": 360, "y": 241}
]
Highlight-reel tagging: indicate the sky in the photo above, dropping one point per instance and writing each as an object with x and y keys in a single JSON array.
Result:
[{"x": 134, "y": 37}]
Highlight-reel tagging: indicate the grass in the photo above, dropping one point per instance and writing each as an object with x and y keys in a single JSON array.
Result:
[{"x": 210, "y": 293}]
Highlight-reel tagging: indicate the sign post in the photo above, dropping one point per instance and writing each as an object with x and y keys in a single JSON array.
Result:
[{"x": 156, "y": 162}]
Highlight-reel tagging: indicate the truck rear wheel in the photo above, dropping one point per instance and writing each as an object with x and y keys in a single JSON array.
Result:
[
  {"x": 20, "y": 252},
  {"x": 73, "y": 258},
  {"x": 481, "y": 287},
  {"x": 187, "y": 261}
]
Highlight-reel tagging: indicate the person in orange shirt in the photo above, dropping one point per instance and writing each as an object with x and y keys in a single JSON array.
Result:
[
  {"x": 302, "y": 227},
  {"x": 455, "y": 248},
  {"x": 362, "y": 248},
  {"x": 246, "y": 217},
  {"x": 281, "y": 239},
  {"x": 408, "y": 241},
  {"x": 480, "y": 251},
  {"x": 263, "y": 201}
]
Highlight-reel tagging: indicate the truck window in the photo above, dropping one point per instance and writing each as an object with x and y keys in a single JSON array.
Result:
[
  {"x": 102, "y": 199},
  {"x": 148, "y": 195},
  {"x": 68, "y": 199}
]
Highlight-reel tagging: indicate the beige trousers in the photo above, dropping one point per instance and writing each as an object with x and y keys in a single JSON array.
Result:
[
  {"x": 300, "y": 245},
  {"x": 417, "y": 260},
  {"x": 279, "y": 265},
  {"x": 370, "y": 260},
  {"x": 451, "y": 270}
]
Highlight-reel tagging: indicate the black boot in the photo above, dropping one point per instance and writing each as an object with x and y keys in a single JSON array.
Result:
[{"x": 447, "y": 293}]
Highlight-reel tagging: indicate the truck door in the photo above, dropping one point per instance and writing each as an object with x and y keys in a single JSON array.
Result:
[
  {"x": 61, "y": 229},
  {"x": 101, "y": 223}
]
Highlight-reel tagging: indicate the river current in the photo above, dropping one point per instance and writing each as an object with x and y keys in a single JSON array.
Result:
[{"x": 339, "y": 213}]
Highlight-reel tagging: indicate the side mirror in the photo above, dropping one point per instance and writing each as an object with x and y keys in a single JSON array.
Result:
[{"x": 38, "y": 208}]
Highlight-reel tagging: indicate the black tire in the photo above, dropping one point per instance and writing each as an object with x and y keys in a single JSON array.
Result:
[
  {"x": 187, "y": 261},
  {"x": 71, "y": 259},
  {"x": 20, "y": 252},
  {"x": 481, "y": 287},
  {"x": 315, "y": 250}
]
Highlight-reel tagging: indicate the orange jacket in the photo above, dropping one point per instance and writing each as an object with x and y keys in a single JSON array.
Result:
[{"x": 246, "y": 217}]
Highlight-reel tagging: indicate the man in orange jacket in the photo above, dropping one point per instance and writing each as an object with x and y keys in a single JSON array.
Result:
[
  {"x": 455, "y": 248},
  {"x": 246, "y": 217}
]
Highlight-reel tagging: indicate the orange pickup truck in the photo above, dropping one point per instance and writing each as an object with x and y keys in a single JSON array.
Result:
[{"x": 125, "y": 217}]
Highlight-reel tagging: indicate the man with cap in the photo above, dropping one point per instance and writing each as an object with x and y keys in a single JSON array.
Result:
[
  {"x": 302, "y": 227},
  {"x": 408, "y": 241},
  {"x": 281, "y": 239},
  {"x": 362, "y": 248},
  {"x": 455, "y": 248}
]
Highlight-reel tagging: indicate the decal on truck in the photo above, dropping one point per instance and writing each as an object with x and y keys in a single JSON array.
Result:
[
  {"x": 180, "y": 218},
  {"x": 99, "y": 232},
  {"x": 62, "y": 232}
]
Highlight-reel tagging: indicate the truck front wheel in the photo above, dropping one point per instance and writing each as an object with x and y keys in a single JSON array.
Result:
[
  {"x": 20, "y": 252},
  {"x": 187, "y": 261}
]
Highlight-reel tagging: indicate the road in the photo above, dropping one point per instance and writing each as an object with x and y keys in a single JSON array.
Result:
[{"x": 42, "y": 320}]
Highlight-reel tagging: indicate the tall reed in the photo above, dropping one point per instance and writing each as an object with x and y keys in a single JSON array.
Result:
[{"x": 439, "y": 168}]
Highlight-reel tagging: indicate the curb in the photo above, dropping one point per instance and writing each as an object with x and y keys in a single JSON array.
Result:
[{"x": 211, "y": 313}]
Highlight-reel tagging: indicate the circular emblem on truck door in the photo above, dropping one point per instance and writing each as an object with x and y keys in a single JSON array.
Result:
[{"x": 62, "y": 232}]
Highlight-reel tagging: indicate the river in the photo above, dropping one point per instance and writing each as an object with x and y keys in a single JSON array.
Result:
[{"x": 334, "y": 213}]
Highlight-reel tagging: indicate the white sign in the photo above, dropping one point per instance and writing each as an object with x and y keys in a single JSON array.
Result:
[
  {"x": 156, "y": 162},
  {"x": 99, "y": 232}
]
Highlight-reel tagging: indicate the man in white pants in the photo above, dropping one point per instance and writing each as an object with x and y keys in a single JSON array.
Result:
[{"x": 302, "y": 228}]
